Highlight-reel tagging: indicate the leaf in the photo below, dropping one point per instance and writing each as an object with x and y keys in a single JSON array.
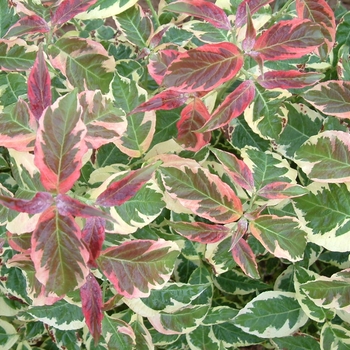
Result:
[
  {"x": 105, "y": 123},
  {"x": 159, "y": 62},
  {"x": 204, "y": 68},
  {"x": 202, "y": 338},
  {"x": 68, "y": 9},
  {"x": 60, "y": 144},
  {"x": 334, "y": 336},
  {"x": 271, "y": 315},
  {"x": 281, "y": 190},
  {"x": 281, "y": 236},
  {"x": 91, "y": 299},
  {"x": 291, "y": 79},
  {"x": 26, "y": 25},
  {"x": 253, "y": 5},
  {"x": 137, "y": 267},
  {"x": 331, "y": 98},
  {"x": 84, "y": 62},
  {"x": 39, "y": 203},
  {"x": 165, "y": 100},
  {"x": 326, "y": 157},
  {"x": 13, "y": 86},
  {"x": 200, "y": 231},
  {"x": 93, "y": 235},
  {"x": 232, "y": 107},
  {"x": 15, "y": 127},
  {"x": 16, "y": 55},
  {"x": 8, "y": 17},
  {"x": 245, "y": 258},
  {"x": 136, "y": 26},
  {"x": 58, "y": 254},
  {"x": 39, "y": 86},
  {"x": 8, "y": 335},
  {"x": 250, "y": 36},
  {"x": 203, "y": 193},
  {"x": 297, "y": 342},
  {"x": 202, "y": 9},
  {"x": 193, "y": 117},
  {"x": 288, "y": 39},
  {"x": 122, "y": 190}
]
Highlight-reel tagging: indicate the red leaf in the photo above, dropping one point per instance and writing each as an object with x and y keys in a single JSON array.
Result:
[
  {"x": 204, "y": 68},
  {"x": 202, "y": 9},
  {"x": 168, "y": 99},
  {"x": 93, "y": 235},
  {"x": 27, "y": 25},
  {"x": 250, "y": 36},
  {"x": 193, "y": 116},
  {"x": 60, "y": 144},
  {"x": 291, "y": 79},
  {"x": 69, "y": 206},
  {"x": 39, "y": 203},
  {"x": 200, "y": 231},
  {"x": 39, "y": 86},
  {"x": 232, "y": 107},
  {"x": 92, "y": 303},
  {"x": 70, "y": 8},
  {"x": 159, "y": 63},
  {"x": 254, "y": 5},
  {"x": 281, "y": 190},
  {"x": 122, "y": 190},
  {"x": 288, "y": 39}
]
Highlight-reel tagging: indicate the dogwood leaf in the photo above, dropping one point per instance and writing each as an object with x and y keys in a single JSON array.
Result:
[
  {"x": 204, "y": 68},
  {"x": 28, "y": 24},
  {"x": 334, "y": 336},
  {"x": 254, "y": 6},
  {"x": 159, "y": 62},
  {"x": 281, "y": 190}
]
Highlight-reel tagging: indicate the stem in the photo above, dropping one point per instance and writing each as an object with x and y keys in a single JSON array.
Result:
[{"x": 154, "y": 13}]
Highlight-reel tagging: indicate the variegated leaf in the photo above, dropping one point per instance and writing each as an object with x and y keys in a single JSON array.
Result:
[
  {"x": 281, "y": 236},
  {"x": 297, "y": 341},
  {"x": 159, "y": 62},
  {"x": 203, "y": 193},
  {"x": 253, "y": 5},
  {"x": 84, "y": 62},
  {"x": 271, "y": 314},
  {"x": 9, "y": 335},
  {"x": 59, "y": 256},
  {"x": 335, "y": 337},
  {"x": 281, "y": 190},
  {"x": 137, "y": 267},
  {"x": 60, "y": 144},
  {"x": 26, "y": 25},
  {"x": 204, "y": 68}
]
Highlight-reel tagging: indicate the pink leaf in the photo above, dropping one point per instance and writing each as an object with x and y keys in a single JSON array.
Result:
[
  {"x": 249, "y": 40},
  {"x": 200, "y": 231},
  {"x": 39, "y": 203},
  {"x": 193, "y": 117},
  {"x": 20, "y": 243},
  {"x": 27, "y": 25},
  {"x": 288, "y": 40},
  {"x": 123, "y": 190},
  {"x": 281, "y": 190},
  {"x": 159, "y": 63},
  {"x": 39, "y": 86},
  {"x": 69, "y": 206},
  {"x": 232, "y": 107},
  {"x": 137, "y": 267},
  {"x": 168, "y": 99},
  {"x": 93, "y": 235},
  {"x": 59, "y": 256},
  {"x": 254, "y": 6},
  {"x": 203, "y": 9},
  {"x": 67, "y": 9},
  {"x": 236, "y": 168},
  {"x": 60, "y": 144},
  {"x": 204, "y": 68},
  {"x": 92, "y": 303},
  {"x": 291, "y": 79}
]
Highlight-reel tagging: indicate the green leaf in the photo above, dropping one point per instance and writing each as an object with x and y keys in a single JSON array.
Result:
[
  {"x": 271, "y": 314},
  {"x": 206, "y": 32},
  {"x": 297, "y": 342},
  {"x": 13, "y": 85},
  {"x": 326, "y": 157},
  {"x": 334, "y": 337},
  {"x": 281, "y": 236},
  {"x": 8, "y": 335},
  {"x": 16, "y": 55},
  {"x": 7, "y": 17},
  {"x": 202, "y": 338}
]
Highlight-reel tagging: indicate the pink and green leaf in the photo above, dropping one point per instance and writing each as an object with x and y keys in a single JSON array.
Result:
[
  {"x": 68, "y": 9},
  {"x": 60, "y": 144},
  {"x": 122, "y": 190},
  {"x": 281, "y": 190},
  {"x": 26, "y": 25},
  {"x": 159, "y": 63},
  {"x": 192, "y": 118},
  {"x": 137, "y": 267},
  {"x": 288, "y": 39},
  {"x": 203, "y": 193},
  {"x": 331, "y": 97},
  {"x": 232, "y": 107},
  {"x": 92, "y": 303},
  {"x": 253, "y": 5},
  {"x": 202, "y": 9},
  {"x": 281, "y": 236},
  {"x": 291, "y": 79},
  {"x": 200, "y": 231},
  {"x": 39, "y": 86},
  {"x": 60, "y": 258},
  {"x": 204, "y": 68}
]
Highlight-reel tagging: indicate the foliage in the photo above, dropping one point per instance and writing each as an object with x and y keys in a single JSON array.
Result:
[{"x": 174, "y": 177}]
